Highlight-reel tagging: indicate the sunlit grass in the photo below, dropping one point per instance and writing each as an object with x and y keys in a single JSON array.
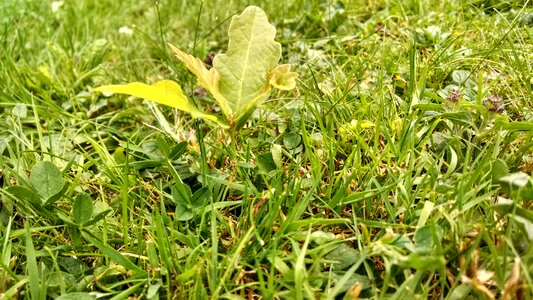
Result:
[{"x": 400, "y": 167}]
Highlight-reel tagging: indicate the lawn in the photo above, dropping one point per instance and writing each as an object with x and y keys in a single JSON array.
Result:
[{"x": 398, "y": 167}]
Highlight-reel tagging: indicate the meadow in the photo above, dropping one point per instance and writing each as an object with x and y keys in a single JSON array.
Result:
[{"x": 398, "y": 167}]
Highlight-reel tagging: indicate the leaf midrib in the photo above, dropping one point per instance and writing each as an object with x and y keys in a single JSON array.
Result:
[{"x": 243, "y": 72}]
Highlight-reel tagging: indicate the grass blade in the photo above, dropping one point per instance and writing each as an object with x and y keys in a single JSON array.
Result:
[
  {"x": 36, "y": 291},
  {"x": 113, "y": 254}
]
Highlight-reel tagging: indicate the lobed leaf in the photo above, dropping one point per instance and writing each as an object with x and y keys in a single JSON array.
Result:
[
  {"x": 252, "y": 54},
  {"x": 239, "y": 80},
  {"x": 209, "y": 79}
]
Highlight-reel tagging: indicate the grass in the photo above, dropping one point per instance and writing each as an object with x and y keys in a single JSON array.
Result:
[{"x": 399, "y": 168}]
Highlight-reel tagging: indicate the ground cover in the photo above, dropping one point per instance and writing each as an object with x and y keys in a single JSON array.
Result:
[{"x": 398, "y": 167}]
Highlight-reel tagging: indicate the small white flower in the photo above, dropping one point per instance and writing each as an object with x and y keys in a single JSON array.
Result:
[
  {"x": 56, "y": 5},
  {"x": 125, "y": 30}
]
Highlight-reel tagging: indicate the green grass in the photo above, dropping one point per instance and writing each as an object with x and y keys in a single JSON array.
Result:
[{"x": 391, "y": 172}]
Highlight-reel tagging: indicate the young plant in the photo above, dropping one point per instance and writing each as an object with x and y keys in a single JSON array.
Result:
[{"x": 238, "y": 81}]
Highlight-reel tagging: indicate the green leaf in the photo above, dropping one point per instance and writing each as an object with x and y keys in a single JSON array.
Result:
[
  {"x": 518, "y": 213},
  {"x": 163, "y": 147},
  {"x": 344, "y": 257},
  {"x": 47, "y": 179},
  {"x": 527, "y": 226},
  {"x": 461, "y": 291},
  {"x": 181, "y": 196},
  {"x": 252, "y": 54},
  {"x": 422, "y": 261},
  {"x": 462, "y": 77},
  {"x": 425, "y": 213},
  {"x": 276, "y": 151},
  {"x": 26, "y": 195},
  {"x": 183, "y": 212},
  {"x": 165, "y": 92},
  {"x": 402, "y": 242},
  {"x": 73, "y": 266},
  {"x": 178, "y": 151},
  {"x": 517, "y": 126},
  {"x": 66, "y": 219},
  {"x": 83, "y": 208},
  {"x": 200, "y": 198},
  {"x": 292, "y": 140},
  {"x": 426, "y": 237},
  {"x": 239, "y": 80},
  {"x": 423, "y": 239},
  {"x": 497, "y": 169},
  {"x": 505, "y": 206},
  {"x": 77, "y": 296},
  {"x": 266, "y": 163},
  {"x": 125, "y": 294},
  {"x": 181, "y": 193},
  {"x": 153, "y": 256},
  {"x": 153, "y": 290},
  {"x": 515, "y": 180},
  {"x": 282, "y": 78},
  {"x": 518, "y": 185},
  {"x": 99, "y": 216}
]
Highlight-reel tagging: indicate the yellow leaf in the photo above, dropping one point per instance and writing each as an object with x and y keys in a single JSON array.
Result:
[
  {"x": 165, "y": 92},
  {"x": 282, "y": 78},
  {"x": 252, "y": 53},
  {"x": 245, "y": 113},
  {"x": 209, "y": 79},
  {"x": 365, "y": 124},
  {"x": 355, "y": 291}
]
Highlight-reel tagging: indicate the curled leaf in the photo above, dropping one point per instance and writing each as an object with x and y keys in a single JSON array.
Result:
[
  {"x": 209, "y": 79},
  {"x": 282, "y": 78}
]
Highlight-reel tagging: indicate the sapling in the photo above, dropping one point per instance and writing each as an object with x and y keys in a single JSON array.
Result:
[{"x": 239, "y": 80}]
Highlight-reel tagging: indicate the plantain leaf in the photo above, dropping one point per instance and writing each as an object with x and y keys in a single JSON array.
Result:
[
  {"x": 252, "y": 54},
  {"x": 282, "y": 78},
  {"x": 165, "y": 92},
  {"x": 209, "y": 79}
]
